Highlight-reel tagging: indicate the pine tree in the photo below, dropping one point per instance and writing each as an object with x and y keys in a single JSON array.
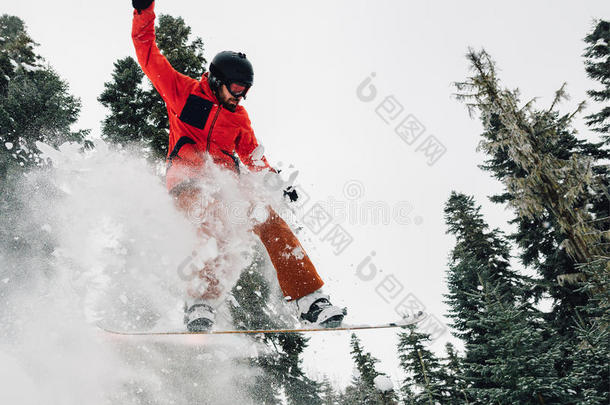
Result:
[
  {"x": 281, "y": 362},
  {"x": 589, "y": 372},
  {"x": 558, "y": 186},
  {"x": 129, "y": 105},
  {"x": 509, "y": 355},
  {"x": 451, "y": 373},
  {"x": 530, "y": 154},
  {"x": 137, "y": 111},
  {"x": 299, "y": 389},
  {"x": 597, "y": 66},
  {"x": 34, "y": 105},
  {"x": 365, "y": 362},
  {"x": 362, "y": 389},
  {"x": 251, "y": 294},
  {"x": 423, "y": 383},
  {"x": 520, "y": 360},
  {"x": 328, "y": 393},
  {"x": 477, "y": 251}
]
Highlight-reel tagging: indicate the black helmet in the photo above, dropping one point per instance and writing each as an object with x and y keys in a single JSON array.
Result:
[{"x": 232, "y": 67}]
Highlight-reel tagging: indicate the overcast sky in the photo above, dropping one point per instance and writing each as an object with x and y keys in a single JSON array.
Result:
[{"x": 309, "y": 59}]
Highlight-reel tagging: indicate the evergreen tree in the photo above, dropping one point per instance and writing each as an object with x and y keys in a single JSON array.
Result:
[
  {"x": 597, "y": 65},
  {"x": 353, "y": 394},
  {"x": 477, "y": 251},
  {"x": 34, "y": 105},
  {"x": 589, "y": 373},
  {"x": 423, "y": 383},
  {"x": 520, "y": 361},
  {"x": 281, "y": 361},
  {"x": 129, "y": 105},
  {"x": 365, "y": 362},
  {"x": 137, "y": 111},
  {"x": 362, "y": 389},
  {"x": 509, "y": 354},
  {"x": 328, "y": 394},
  {"x": 451, "y": 374},
  {"x": 251, "y": 294},
  {"x": 558, "y": 186},
  {"x": 534, "y": 154},
  {"x": 299, "y": 389}
]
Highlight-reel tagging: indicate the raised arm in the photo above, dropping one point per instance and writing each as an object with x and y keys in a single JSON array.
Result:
[{"x": 170, "y": 84}]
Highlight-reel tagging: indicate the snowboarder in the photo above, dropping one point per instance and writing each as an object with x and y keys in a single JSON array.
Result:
[{"x": 207, "y": 122}]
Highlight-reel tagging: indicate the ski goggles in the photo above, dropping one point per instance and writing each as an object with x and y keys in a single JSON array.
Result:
[{"x": 237, "y": 89}]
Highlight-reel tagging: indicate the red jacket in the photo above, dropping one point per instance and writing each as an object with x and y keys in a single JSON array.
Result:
[{"x": 198, "y": 125}]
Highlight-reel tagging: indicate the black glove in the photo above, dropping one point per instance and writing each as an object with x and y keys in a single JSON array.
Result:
[
  {"x": 141, "y": 4},
  {"x": 291, "y": 193}
]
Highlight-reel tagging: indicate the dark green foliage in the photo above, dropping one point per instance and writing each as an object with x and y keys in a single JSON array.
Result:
[
  {"x": 509, "y": 354},
  {"x": 477, "y": 253},
  {"x": 365, "y": 363},
  {"x": 17, "y": 50},
  {"x": 362, "y": 389},
  {"x": 589, "y": 373},
  {"x": 281, "y": 363},
  {"x": 129, "y": 111},
  {"x": 558, "y": 186},
  {"x": 451, "y": 374},
  {"x": 34, "y": 105},
  {"x": 173, "y": 40},
  {"x": 137, "y": 111},
  {"x": 328, "y": 394},
  {"x": 597, "y": 65},
  {"x": 423, "y": 384}
]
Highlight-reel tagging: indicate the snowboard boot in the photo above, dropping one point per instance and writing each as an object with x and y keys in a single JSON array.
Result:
[
  {"x": 316, "y": 309},
  {"x": 199, "y": 317}
]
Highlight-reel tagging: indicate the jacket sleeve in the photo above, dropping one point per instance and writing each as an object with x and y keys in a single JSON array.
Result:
[
  {"x": 171, "y": 85},
  {"x": 249, "y": 151}
]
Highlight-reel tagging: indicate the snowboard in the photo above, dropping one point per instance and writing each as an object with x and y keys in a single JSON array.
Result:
[{"x": 411, "y": 320}]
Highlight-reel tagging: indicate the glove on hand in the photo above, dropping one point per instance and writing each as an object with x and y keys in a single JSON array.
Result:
[
  {"x": 291, "y": 193},
  {"x": 141, "y": 4}
]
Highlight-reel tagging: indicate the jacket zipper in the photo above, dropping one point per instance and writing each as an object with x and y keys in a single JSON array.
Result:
[{"x": 207, "y": 147}]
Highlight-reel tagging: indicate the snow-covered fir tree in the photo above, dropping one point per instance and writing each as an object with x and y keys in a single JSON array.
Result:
[
  {"x": 328, "y": 393},
  {"x": 451, "y": 374},
  {"x": 422, "y": 384},
  {"x": 527, "y": 149},
  {"x": 35, "y": 105},
  {"x": 558, "y": 186},
  {"x": 363, "y": 388},
  {"x": 509, "y": 357},
  {"x": 281, "y": 361},
  {"x": 597, "y": 65}
]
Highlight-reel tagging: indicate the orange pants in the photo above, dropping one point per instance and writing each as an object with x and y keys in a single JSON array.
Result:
[{"x": 296, "y": 273}]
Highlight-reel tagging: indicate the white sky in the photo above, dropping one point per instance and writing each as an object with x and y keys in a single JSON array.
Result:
[{"x": 309, "y": 58}]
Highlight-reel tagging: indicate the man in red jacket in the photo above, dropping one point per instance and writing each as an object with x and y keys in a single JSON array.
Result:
[{"x": 207, "y": 122}]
